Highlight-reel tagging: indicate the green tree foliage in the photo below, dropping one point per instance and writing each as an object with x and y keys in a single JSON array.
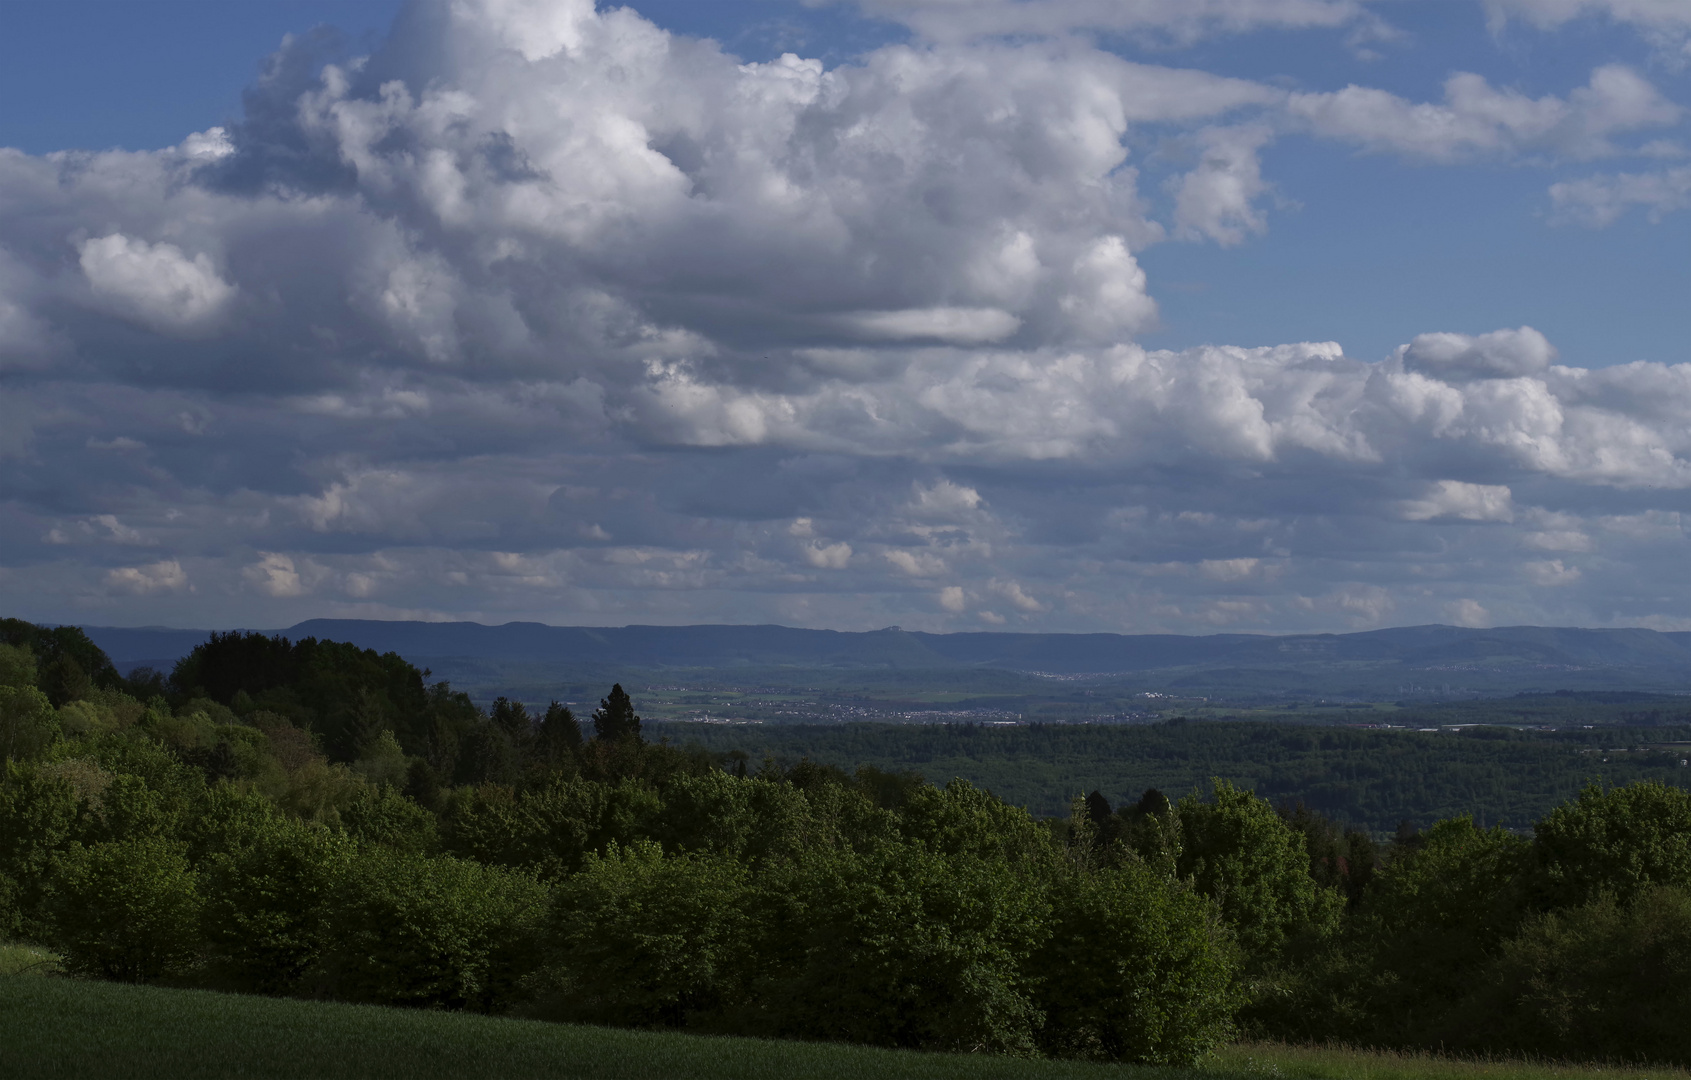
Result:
[
  {"x": 346, "y": 694},
  {"x": 383, "y": 815},
  {"x": 17, "y": 666},
  {"x": 383, "y": 762},
  {"x": 961, "y": 819},
  {"x": 899, "y": 945},
  {"x": 1431, "y": 921},
  {"x": 1238, "y": 850},
  {"x": 69, "y": 666},
  {"x": 42, "y": 814},
  {"x": 1365, "y": 779},
  {"x": 267, "y": 904},
  {"x": 1617, "y": 842},
  {"x": 414, "y": 930},
  {"x": 550, "y": 831},
  {"x": 1602, "y": 980},
  {"x": 28, "y": 724},
  {"x": 1137, "y": 968},
  {"x": 643, "y": 940},
  {"x": 127, "y": 910}
]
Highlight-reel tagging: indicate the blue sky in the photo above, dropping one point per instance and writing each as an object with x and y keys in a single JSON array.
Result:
[{"x": 959, "y": 315}]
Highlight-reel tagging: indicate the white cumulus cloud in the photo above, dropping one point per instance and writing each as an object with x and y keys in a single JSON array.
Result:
[{"x": 155, "y": 283}]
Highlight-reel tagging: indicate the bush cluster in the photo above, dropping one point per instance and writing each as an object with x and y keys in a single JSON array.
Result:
[{"x": 305, "y": 819}]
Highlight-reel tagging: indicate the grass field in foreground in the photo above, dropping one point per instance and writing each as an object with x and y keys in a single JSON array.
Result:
[{"x": 66, "y": 1027}]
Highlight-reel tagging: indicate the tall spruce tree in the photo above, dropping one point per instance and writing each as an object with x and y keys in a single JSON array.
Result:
[
  {"x": 614, "y": 719},
  {"x": 560, "y": 734},
  {"x": 512, "y": 718}
]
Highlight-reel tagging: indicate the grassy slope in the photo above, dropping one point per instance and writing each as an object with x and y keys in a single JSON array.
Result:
[{"x": 64, "y": 1027}]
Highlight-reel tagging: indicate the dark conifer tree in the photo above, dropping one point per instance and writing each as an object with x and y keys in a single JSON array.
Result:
[
  {"x": 614, "y": 719},
  {"x": 1098, "y": 808},
  {"x": 511, "y": 718},
  {"x": 560, "y": 734}
]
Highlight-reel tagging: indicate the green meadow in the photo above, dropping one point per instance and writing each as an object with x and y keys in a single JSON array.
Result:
[{"x": 61, "y": 1027}]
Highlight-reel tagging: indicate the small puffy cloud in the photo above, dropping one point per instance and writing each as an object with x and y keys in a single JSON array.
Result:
[
  {"x": 916, "y": 563},
  {"x": 1666, "y": 23},
  {"x": 165, "y": 575},
  {"x": 951, "y": 598},
  {"x": 274, "y": 575},
  {"x": 1461, "y": 501},
  {"x": 1559, "y": 540},
  {"x": 1601, "y": 200},
  {"x": 155, "y": 283},
  {"x": 943, "y": 500},
  {"x": 208, "y": 145},
  {"x": 828, "y": 556},
  {"x": 1228, "y": 569},
  {"x": 1217, "y": 200},
  {"x": 1478, "y": 119},
  {"x": 1501, "y": 354},
  {"x": 361, "y": 585},
  {"x": 1109, "y": 300},
  {"x": 1467, "y": 612},
  {"x": 1366, "y": 605},
  {"x": 117, "y": 531},
  {"x": 1013, "y": 592},
  {"x": 1550, "y": 573}
]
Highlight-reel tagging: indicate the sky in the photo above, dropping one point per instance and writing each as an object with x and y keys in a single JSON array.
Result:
[{"x": 1184, "y": 316}]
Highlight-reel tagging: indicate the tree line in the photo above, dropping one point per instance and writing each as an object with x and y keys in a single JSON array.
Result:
[
  {"x": 1370, "y": 779},
  {"x": 308, "y": 819}
]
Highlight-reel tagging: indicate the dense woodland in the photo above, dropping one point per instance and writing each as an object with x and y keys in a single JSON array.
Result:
[
  {"x": 1373, "y": 780},
  {"x": 306, "y": 818}
]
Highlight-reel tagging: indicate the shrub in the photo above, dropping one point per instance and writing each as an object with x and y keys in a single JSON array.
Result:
[
  {"x": 1604, "y": 980},
  {"x": 898, "y": 946},
  {"x": 44, "y": 810},
  {"x": 1238, "y": 850},
  {"x": 548, "y": 831},
  {"x": 127, "y": 910},
  {"x": 961, "y": 819},
  {"x": 643, "y": 940},
  {"x": 266, "y": 904},
  {"x": 1430, "y": 922},
  {"x": 1138, "y": 968},
  {"x": 712, "y": 812},
  {"x": 1618, "y": 841},
  {"x": 382, "y": 815},
  {"x": 17, "y": 666},
  {"x": 405, "y": 929},
  {"x": 27, "y": 723}
]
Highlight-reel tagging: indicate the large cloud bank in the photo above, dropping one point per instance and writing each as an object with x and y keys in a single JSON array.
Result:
[{"x": 544, "y": 312}]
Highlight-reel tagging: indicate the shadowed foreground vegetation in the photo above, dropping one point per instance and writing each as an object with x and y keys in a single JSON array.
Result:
[
  {"x": 145, "y": 1032},
  {"x": 308, "y": 821}
]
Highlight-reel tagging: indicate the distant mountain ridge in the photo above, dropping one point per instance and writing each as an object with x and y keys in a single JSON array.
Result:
[{"x": 1430, "y": 648}]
